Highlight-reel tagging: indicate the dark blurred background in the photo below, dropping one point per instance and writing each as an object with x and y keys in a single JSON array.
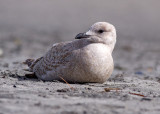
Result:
[{"x": 29, "y": 27}]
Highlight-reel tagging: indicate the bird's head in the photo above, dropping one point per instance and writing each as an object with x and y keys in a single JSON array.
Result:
[{"x": 104, "y": 33}]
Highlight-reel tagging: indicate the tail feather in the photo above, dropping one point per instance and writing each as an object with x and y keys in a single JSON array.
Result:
[{"x": 31, "y": 63}]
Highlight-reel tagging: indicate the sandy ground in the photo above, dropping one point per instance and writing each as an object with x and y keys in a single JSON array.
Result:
[{"x": 25, "y": 32}]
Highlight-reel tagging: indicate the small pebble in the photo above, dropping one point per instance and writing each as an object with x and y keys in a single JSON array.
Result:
[
  {"x": 139, "y": 73},
  {"x": 63, "y": 90},
  {"x": 146, "y": 99},
  {"x": 47, "y": 89}
]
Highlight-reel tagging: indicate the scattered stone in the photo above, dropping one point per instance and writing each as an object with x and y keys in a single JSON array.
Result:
[
  {"x": 42, "y": 95},
  {"x": 139, "y": 73},
  {"x": 14, "y": 86},
  {"x": 109, "y": 89},
  {"x": 63, "y": 90},
  {"x": 47, "y": 89},
  {"x": 146, "y": 99},
  {"x": 3, "y": 77},
  {"x": 88, "y": 88}
]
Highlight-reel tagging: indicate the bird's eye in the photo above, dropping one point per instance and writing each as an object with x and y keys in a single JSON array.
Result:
[{"x": 100, "y": 31}]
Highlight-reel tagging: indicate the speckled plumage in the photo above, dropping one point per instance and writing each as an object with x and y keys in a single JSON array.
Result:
[{"x": 82, "y": 60}]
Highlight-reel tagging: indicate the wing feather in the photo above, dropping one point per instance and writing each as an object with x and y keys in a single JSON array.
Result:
[{"x": 56, "y": 57}]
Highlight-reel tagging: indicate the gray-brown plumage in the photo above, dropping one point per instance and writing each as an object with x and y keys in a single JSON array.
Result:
[{"x": 86, "y": 59}]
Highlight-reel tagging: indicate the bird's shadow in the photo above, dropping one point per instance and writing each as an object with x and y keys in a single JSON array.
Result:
[
  {"x": 24, "y": 77},
  {"x": 33, "y": 77}
]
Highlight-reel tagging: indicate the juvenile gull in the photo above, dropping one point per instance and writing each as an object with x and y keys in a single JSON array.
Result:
[{"x": 86, "y": 59}]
